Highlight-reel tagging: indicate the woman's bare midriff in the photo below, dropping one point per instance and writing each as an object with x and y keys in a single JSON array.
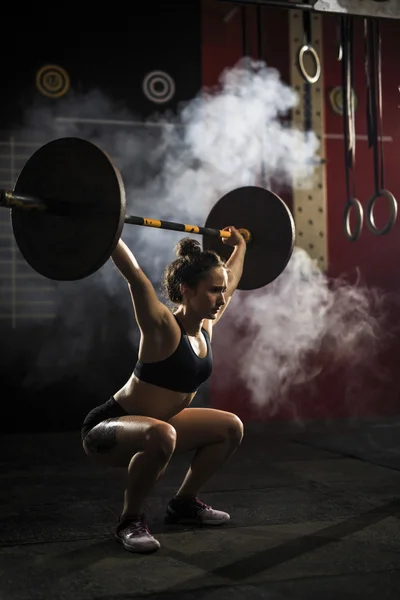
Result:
[{"x": 147, "y": 400}]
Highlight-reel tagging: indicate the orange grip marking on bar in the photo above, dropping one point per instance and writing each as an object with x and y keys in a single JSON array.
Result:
[{"x": 152, "y": 222}]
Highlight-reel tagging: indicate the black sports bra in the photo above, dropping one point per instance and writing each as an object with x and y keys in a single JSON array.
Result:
[{"x": 182, "y": 371}]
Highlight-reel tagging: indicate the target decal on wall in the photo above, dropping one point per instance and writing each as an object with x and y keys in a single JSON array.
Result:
[
  {"x": 52, "y": 81},
  {"x": 336, "y": 100},
  {"x": 158, "y": 87}
]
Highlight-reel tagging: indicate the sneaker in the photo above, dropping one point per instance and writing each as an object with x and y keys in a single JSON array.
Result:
[
  {"x": 192, "y": 510},
  {"x": 134, "y": 535}
]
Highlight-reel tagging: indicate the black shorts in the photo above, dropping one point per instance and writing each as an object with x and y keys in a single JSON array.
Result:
[{"x": 109, "y": 410}]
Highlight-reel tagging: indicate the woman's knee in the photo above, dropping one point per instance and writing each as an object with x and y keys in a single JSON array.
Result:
[
  {"x": 161, "y": 439},
  {"x": 234, "y": 429}
]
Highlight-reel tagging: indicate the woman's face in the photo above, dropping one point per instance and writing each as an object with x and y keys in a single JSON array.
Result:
[{"x": 209, "y": 295}]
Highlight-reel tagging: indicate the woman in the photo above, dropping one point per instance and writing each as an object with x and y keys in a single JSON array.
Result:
[{"x": 148, "y": 419}]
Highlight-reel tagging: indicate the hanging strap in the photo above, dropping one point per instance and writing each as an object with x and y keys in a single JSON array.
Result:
[
  {"x": 339, "y": 41},
  {"x": 263, "y": 177},
  {"x": 352, "y": 203},
  {"x": 373, "y": 71}
]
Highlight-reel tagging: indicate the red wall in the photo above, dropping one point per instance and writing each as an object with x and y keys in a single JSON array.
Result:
[{"x": 375, "y": 257}]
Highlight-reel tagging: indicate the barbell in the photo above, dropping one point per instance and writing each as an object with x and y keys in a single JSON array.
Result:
[{"x": 68, "y": 209}]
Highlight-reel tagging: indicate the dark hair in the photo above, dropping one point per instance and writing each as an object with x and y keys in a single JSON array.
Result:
[{"x": 192, "y": 265}]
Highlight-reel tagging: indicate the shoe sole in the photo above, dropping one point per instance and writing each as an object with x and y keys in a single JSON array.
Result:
[
  {"x": 135, "y": 550},
  {"x": 194, "y": 522}
]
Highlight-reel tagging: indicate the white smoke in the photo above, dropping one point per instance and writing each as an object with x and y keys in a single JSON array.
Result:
[
  {"x": 219, "y": 141},
  {"x": 176, "y": 167},
  {"x": 301, "y": 324},
  {"x": 238, "y": 128}
]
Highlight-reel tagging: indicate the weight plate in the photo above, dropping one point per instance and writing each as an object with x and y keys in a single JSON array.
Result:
[
  {"x": 78, "y": 174},
  {"x": 272, "y": 228}
]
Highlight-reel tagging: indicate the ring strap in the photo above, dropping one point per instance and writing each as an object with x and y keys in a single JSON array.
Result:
[
  {"x": 373, "y": 71},
  {"x": 352, "y": 204}
]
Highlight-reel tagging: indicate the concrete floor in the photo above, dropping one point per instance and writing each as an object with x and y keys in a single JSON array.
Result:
[{"x": 315, "y": 515}]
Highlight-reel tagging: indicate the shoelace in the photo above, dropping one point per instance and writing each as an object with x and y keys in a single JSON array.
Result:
[
  {"x": 136, "y": 527},
  {"x": 201, "y": 505}
]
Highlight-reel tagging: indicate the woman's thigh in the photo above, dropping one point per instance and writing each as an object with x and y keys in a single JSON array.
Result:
[
  {"x": 196, "y": 427},
  {"x": 114, "y": 441}
]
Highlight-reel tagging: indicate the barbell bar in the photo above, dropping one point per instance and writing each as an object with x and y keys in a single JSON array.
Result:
[
  {"x": 68, "y": 211},
  {"x": 11, "y": 200}
]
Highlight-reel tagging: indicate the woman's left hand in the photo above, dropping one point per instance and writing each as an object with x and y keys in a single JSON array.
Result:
[{"x": 235, "y": 239}]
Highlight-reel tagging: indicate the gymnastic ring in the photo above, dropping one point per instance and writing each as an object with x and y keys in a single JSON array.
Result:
[
  {"x": 392, "y": 209},
  {"x": 303, "y": 50},
  {"x": 356, "y": 204}
]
